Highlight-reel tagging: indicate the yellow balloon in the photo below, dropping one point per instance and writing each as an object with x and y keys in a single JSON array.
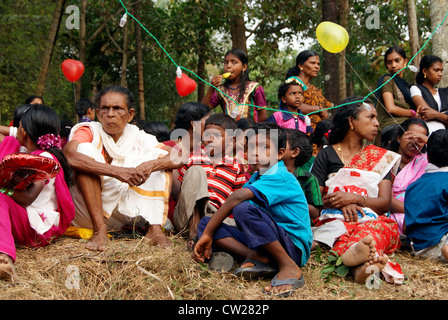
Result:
[{"x": 332, "y": 37}]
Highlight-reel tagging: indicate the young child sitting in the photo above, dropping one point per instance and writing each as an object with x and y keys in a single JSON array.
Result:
[
  {"x": 273, "y": 230},
  {"x": 37, "y": 215},
  {"x": 426, "y": 202},
  {"x": 291, "y": 98},
  {"x": 298, "y": 152},
  {"x": 208, "y": 178}
]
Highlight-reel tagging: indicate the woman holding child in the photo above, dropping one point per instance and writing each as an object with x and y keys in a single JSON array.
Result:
[{"x": 355, "y": 180}]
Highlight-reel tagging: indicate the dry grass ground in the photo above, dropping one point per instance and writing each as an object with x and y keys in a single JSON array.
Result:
[{"x": 132, "y": 270}]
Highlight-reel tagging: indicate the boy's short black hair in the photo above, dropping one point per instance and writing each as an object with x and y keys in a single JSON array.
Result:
[
  {"x": 438, "y": 148},
  {"x": 245, "y": 123},
  {"x": 222, "y": 120},
  {"x": 272, "y": 130},
  {"x": 82, "y": 105},
  {"x": 299, "y": 139}
]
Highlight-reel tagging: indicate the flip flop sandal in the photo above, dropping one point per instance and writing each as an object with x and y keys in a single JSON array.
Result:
[
  {"x": 296, "y": 284},
  {"x": 191, "y": 243},
  {"x": 221, "y": 261},
  {"x": 259, "y": 270}
]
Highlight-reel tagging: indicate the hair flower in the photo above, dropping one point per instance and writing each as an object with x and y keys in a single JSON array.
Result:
[
  {"x": 296, "y": 80},
  {"x": 48, "y": 141}
]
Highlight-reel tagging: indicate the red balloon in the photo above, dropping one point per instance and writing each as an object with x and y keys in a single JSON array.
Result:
[
  {"x": 185, "y": 85},
  {"x": 18, "y": 170},
  {"x": 72, "y": 69}
]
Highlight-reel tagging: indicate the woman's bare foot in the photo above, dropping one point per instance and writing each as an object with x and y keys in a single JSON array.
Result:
[
  {"x": 155, "y": 236},
  {"x": 7, "y": 271},
  {"x": 445, "y": 251},
  {"x": 360, "y": 252},
  {"x": 99, "y": 240},
  {"x": 362, "y": 272}
]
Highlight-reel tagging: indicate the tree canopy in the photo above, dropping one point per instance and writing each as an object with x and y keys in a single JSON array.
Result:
[{"x": 196, "y": 34}]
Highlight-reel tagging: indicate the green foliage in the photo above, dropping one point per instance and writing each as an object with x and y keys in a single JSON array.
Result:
[
  {"x": 334, "y": 266},
  {"x": 187, "y": 30}
]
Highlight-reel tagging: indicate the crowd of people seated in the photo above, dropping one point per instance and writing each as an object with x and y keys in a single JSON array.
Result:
[{"x": 243, "y": 187}]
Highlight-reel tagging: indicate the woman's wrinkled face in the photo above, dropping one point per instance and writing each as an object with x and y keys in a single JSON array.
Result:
[
  {"x": 114, "y": 114},
  {"x": 311, "y": 66},
  {"x": 410, "y": 146}
]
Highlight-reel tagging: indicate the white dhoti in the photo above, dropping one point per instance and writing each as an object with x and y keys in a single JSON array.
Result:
[{"x": 122, "y": 204}]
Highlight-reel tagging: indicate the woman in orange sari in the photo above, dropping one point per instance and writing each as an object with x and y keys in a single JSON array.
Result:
[
  {"x": 355, "y": 182},
  {"x": 306, "y": 68}
]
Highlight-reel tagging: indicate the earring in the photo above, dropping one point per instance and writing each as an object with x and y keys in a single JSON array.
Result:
[
  {"x": 424, "y": 75},
  {"x": 301, "y": 69}
]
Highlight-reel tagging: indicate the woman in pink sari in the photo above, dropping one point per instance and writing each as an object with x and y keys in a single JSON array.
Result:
[
  {"x": 410, "y": 143},
  {"x": 44, "y": 210}
]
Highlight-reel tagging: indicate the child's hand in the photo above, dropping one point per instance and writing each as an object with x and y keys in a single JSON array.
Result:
[
  {"x": 216, "y": 80},
  {"x": 203, "y": 249},
  {"x": 350, "y": 212}
]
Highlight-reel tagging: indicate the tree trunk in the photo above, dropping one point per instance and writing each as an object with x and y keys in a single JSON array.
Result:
[
  {"x": 237, "y": 26},
  {"x": 343, "y": 21},
  {"x": 413, "y": 32},
  {"x": 438, "y": 8},
  {"x": 331, "y": 85},
  {"x": 139, "y": 49},
  {"x": 201, "y": 54},
  {"x": 124, "y": 61},
  {"x": 82, "y": 43},
  {"x": 48, "y": 53}
]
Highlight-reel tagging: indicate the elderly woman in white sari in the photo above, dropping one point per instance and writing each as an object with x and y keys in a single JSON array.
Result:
[{"x": 122, "y": 174}]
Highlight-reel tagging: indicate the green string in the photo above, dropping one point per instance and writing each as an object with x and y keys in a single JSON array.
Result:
[{"x": 272, "y": 109}]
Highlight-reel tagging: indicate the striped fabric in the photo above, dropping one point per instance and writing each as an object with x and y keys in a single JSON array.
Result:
[{"x": 224, "y": 178}]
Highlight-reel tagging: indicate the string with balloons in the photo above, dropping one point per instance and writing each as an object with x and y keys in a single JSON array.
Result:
[{"x": 331, "y": 36}]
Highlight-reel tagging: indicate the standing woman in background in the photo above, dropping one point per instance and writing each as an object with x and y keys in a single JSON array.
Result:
[
  {"x": 238, "y": 91},
  {"x": 393, "y": 102},
  {"x": 306, "y": 68}
]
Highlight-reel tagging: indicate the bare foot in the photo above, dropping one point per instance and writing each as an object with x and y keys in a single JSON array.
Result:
[
  {"x": 99, "y": 240},
  {"x": 7, "y": 271},
  {"x": 288, "y": 272},
  {"x": 445, "y": 251},
  {"x": 155, "y": 236},
  {"x": 362, "y": 272},
  {"x": 360, "y": 252}
]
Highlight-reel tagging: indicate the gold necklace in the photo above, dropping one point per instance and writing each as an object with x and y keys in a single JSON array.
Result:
[
  {"x": 339, "y": 149},
  {"x": 342, "y": 153}
]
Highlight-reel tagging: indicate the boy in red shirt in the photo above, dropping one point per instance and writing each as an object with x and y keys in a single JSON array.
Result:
[{"x": 209, "y": 177}]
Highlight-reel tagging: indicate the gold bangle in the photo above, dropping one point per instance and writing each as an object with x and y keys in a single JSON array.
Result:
[{"x": 365, "y": 201}]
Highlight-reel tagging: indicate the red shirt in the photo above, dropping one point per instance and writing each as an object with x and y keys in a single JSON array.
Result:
[{"x": 223, "y": 179}]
